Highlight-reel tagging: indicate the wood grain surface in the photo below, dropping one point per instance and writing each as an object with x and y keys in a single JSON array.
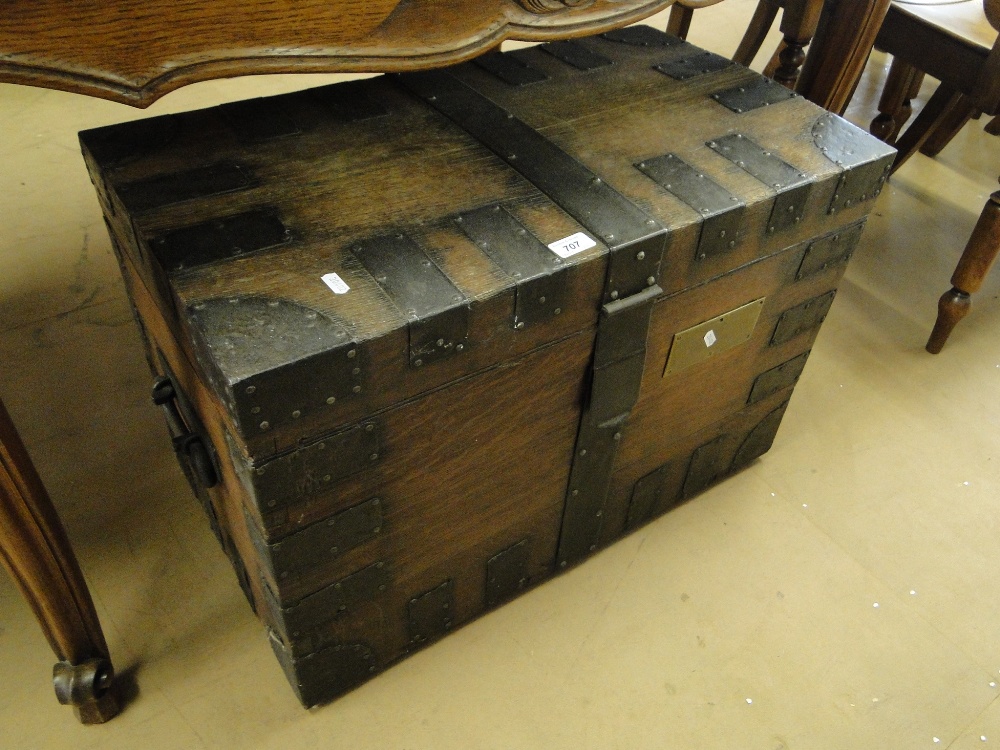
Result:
[{"x": 135, "y": 52}]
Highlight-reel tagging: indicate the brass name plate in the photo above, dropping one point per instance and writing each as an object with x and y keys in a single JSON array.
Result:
[{"x": 711, "y": 338}]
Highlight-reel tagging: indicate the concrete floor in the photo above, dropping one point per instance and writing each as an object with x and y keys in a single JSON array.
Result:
[{"x": 841, "y": 593}]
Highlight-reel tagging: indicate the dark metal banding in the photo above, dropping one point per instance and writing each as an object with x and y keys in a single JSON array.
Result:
[
  {"x": 683, "y": 68},
  {"x": 721, "y": 211},
  {"x": 257, "y": 120},
  {"x": 791, "y": 185},
  {"x": 577, "y": 55},
  {"x": 537, "y": 271},
  {"x": 618, "y": 222},
  {"x": 219, "y": 239},
  {"x": 350, "y": 101},
  {"x": 642, "y": 36},
  {"x": 746, "y": 97},
  {"x": 437, "y": 311},
  {"x": 510, "y": 69},
  {"x": 202, "y": 182}
]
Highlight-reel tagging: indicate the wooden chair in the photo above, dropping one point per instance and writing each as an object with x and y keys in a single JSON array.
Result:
[
  {"x": 951, "y": 43},
  {"x": 798, "y": 24}
]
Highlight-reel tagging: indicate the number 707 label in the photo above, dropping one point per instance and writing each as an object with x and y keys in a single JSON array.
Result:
[{"x": 575, "y": 243}]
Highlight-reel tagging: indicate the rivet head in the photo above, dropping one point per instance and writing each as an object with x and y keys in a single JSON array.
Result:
[
  {"x": 373, "y": 457},
  {"x": 332, "y": 400},
  {"x": 640, "y": 255},
  {"x": 650, "y": 280},
  {"x": 541, "y": 300},
  {"x": 352, "y": 353},
  {"x": 369, "y": 428},
  {"x": 265, "y": 425},
  {"x": 418, "y": 363},
  {"x": 519, "y": 325},
  {"x": 459, "y": 347},
  {"x": 296, "y": 414},
  {"x": 583, "y": 452},
  {"x": 255, "y": 410},
  {"x": 617, "y": 436},
  {"x": 614, "y": 295},
  {"x": 557, "y": 311},
  {"x": 356, "y": 389},
  {"x": 251, "y": 389}
]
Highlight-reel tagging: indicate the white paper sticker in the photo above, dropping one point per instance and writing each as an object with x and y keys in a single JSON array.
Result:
[
  {"x": 575, "y": 243},
  {"x": 710, "y": 338},
  {"x": 336, "y": 284}
]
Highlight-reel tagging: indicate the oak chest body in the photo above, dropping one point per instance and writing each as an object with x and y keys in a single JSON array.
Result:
[{"x": 423, "y": 341}]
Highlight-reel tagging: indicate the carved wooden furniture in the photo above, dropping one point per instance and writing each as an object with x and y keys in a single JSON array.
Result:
[
  {"x": 34, "y": 548},
  {"x": 950, "y": 43},
  {"x": 111, "y": 51}
]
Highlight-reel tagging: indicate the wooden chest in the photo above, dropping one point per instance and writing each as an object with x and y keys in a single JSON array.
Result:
[{"x": 425, "y": 340}]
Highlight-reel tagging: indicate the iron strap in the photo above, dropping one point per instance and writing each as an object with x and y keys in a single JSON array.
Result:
[
  {"x": 791, "y": 185},
  {"x": 635, "y": 239},
  {"x": 437, "y": 311}
]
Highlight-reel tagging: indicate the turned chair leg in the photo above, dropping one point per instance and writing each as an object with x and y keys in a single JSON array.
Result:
[
  {"x": 901, "y": 85},
  {"x": 36, "y": 551},
  {"x": 679, "y": 21},
  {"x": 979, "y": 254}
]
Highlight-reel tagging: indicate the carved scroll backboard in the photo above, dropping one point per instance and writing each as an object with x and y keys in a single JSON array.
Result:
[{"x": 135, "y": 51}]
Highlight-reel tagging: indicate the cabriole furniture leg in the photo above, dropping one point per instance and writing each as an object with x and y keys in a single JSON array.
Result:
[{"x": 36, "y": 551}]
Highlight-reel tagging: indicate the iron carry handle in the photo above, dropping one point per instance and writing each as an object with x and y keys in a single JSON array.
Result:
[{"x": 187, "y": 442}]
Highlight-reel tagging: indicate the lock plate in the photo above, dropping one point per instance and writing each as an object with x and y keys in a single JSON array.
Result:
[{"x": 713, "y": 337}]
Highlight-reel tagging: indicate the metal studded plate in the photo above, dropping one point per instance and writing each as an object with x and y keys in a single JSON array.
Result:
[
  {"x": 791, "y": 185},
  {"x": 278, "y": 359},
  {"x": 802, "y": 318},
  {"x": 323, "y": 540},
  {"x": 759, "y": 440},
  {"x": 708, "y": 463},
  {"x": 295, "y": 476},
  {"x": 829, "y": 252},
  {"x": 201, "y": 182},
  {"x": 541, "y": 288},
  {"x": 700, "y": 63},
  {"x": 298, "y": 623},
  {"x": 590, "y": 476},
  {"x": 432, "y": 614},
  {"x": 721, "y": 211},
  {"x": 773, "y": 380},
  {"x": 323, "y": 675},
  {"x": 257, "y": 120},
  {"x": 642, "y": 36},
  {"x": 510, "y": 69},
  {"x": 747, "y": 97},
  {"x": 645, "y": 496},
  {"x": 865, "y": 160},
  {"x": 507, "y": 573},
  {"x": 577, "y": 55},
  {"x": 437, "y": 311},
  {"x": 224, "y": 238}
]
